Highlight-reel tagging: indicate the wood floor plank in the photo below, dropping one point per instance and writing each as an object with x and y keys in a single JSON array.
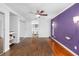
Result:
[
  {"x": 30, "y": 47},
  {"x": 58, "y": 50}
]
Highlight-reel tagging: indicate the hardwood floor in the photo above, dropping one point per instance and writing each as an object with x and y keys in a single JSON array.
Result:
[
  {"x": 30, "y": 47},
  {"x": 37, "y": 47},
  {"x": 58, "y": 50}
]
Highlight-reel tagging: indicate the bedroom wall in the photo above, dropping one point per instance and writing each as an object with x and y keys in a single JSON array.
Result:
[
  {"x": 44, "y": 29},
  {"x": 14, "y": 25},
  {"x": 1, "y": 25},
  {"x": 22, "y": 29},
  {"x": 65, "y": 27}
]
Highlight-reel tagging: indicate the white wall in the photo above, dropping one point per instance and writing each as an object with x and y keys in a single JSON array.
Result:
[
  {"x": 44, "y": 26},
  {"x": 22, "y": 29},
  {"x": 14, "y": 25},
  {"x": 25, "y": 29},
  {"x": 28, "y": 29},
  {"x": 1, "y": 25}
]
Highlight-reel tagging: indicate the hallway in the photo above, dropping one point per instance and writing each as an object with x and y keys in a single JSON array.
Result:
[{"x": 30, "y": 47}]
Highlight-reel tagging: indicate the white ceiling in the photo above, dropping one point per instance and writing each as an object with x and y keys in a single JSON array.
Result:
[{"x": 24, "y": 9}]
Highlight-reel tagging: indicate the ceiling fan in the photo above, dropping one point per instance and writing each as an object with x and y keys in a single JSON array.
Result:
[{"x": 40, "y": 13}]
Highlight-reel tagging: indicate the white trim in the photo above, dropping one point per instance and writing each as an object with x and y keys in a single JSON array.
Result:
[
  {"x": 65, "y": 47},
  {"x": 2, "y": 53},
  {"x": 5, "y": 51},
  {"x": 18, "y": 33}
]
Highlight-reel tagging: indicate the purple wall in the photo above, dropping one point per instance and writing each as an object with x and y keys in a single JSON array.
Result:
[{"x": 66, "y": 27}]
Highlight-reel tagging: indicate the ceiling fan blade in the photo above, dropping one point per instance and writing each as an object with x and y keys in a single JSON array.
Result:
[
  {"x": 41, "y": 11},
  {"x": 43, "y": 14},
  {"x": 38, "y": 12}
]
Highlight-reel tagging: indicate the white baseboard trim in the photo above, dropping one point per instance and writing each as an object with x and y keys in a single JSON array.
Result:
[
  {"x": 31, "y": 37},
  {"x": 65, "y": 47},
  {"x": 5, "y": 51}
]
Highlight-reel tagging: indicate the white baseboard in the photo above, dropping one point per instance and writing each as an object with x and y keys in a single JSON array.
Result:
[
  {"x": 6, "y": 50},
  {"x": 64, "y": 47}
]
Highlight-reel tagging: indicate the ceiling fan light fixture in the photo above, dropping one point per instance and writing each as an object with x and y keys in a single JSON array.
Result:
[{"x": 37, "y": 16}]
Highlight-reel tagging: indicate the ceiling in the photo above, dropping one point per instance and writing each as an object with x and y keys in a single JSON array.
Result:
[{"x": 24, "y": 9}]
